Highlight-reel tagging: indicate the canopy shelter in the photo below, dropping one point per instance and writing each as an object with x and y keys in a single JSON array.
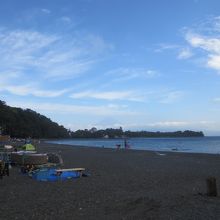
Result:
[{"x": 28, "y": 147}]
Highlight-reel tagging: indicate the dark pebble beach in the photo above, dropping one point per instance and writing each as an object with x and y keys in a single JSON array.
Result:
[{"x": 122, "y": 184}]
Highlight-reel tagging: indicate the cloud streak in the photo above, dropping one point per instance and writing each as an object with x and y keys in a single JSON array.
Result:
[
  {"x": 124, "y": 74},
  {"x": 101, "y": 110},
  {"x": 168, "y": 124},
  {"x": 29, "y": 89},
  {"x": 111, "y": 95},
  {"x": 171, "y": 97},
  {"x": 46, "y": 11}
]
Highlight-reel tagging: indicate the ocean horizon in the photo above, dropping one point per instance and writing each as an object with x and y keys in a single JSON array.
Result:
[{"x": 207, "y": 144}]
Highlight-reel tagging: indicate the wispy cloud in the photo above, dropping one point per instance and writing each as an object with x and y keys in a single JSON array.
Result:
[
  {"x": 162, "y": 47},
  {"x": 101, "y": 110},
  {"x": 31, "y": 89},
  {"x": 123, "y": 74},
  {"x": 185, "y": 53},
  {"x": 163, "y": 96},
  {"x": 8, "y": 76},
  {"x": 171, "y": 97},
  {"x": 110, "y": 95},
  {"x": 216, "y": 99},
  {"x": 173, "y": 125},
  {"x": 168, "y": 124},
  {"x": 45, "y": 10},
  {"x": 182, "y": 51},
  {"x": 49, "y": 56},
  {"x": 66, "y": 19}
]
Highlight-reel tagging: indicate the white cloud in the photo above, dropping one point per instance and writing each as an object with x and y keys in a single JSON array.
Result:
[
  {"x": 111, "y": 95},
  {"x": 208, "y": 42},
  {"x": 168, "y": 124},
  {"x": 46, "y": 11},
  {"x": 29, "y": 89},
  {"x": 161, "y": 96},
  {"x": 103, "y": 110},
  {"x": 66, "y": 19},
  {"x": 162, "y": 47},
  {"x": 214, "y": 62},
  {"x": 206, "y": 123},
  {"x": 216, "y": 99},
  {"x": 49, "y": 56},
  {"x": 97, "y": 44},
  {"x": 171, "y": 97},
  {"x": 48, "y": 93},
  {"x": 24, "y": 42},
  {"x": 174, "y": 125},
  {"x": 185, "y": 53},
  {"x": 216, "y": 23},
  {"x": 182, "y": 52},
  {"x": 123, "y": 74},
  {"x": 27, "y": 55},
  {"x": 9, "y": 76}
]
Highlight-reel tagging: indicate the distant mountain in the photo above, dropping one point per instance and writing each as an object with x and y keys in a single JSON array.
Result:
[{"x": 23, "y": 123}]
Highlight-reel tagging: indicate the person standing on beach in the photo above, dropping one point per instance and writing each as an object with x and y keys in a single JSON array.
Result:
[
  {"x": 126, "y": 145},
  {"x": 118, "y": 146},
  {"x": 1, "y": 168}
]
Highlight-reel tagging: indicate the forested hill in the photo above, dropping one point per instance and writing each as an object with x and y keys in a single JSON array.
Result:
[
  {"x": 21, "y": 123},
  {"x": 119, "y": 133}
]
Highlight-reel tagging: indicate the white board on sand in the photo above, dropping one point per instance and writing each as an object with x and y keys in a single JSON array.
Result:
[{"x": 70, "y": 169}]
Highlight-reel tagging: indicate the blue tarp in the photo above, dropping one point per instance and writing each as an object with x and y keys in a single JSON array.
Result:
[{"x": 50, "y": 174}]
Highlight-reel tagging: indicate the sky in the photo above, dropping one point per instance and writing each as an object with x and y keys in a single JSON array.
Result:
[{"x": 137, "y": 64}]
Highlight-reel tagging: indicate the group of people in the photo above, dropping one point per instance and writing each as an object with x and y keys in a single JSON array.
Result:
[{"x": 126, "y": 145}]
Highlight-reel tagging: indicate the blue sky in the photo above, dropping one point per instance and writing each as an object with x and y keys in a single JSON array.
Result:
[{"x": 139, "y": 64}]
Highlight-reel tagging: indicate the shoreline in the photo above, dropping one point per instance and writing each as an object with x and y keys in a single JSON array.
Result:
[
  {"x": 123, "y": 184},
  {"x": 132, "y": 149}
]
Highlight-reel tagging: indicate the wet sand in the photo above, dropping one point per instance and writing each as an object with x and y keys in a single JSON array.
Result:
[{"x": 124, "y": 184}]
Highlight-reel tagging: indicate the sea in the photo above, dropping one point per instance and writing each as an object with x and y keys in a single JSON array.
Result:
[{"x": 209, "y": 145}]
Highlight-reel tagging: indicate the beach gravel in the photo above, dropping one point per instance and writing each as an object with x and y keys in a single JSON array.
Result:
[{"x": 122, "y": 184}]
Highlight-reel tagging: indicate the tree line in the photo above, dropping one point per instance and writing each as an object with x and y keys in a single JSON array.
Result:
[
  {"x": 119, "y": 133},
  {"x": 23, "y": 123}
]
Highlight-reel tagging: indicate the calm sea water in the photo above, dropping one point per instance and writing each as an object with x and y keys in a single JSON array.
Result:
[{"x": 191, "y": 145}]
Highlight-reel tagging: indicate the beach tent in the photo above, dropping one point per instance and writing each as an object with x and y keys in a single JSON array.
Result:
[{"x": 29, "y": 147}]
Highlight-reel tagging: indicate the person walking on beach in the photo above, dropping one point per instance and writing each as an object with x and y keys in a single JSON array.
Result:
[{"x": 126, "y": 145}]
